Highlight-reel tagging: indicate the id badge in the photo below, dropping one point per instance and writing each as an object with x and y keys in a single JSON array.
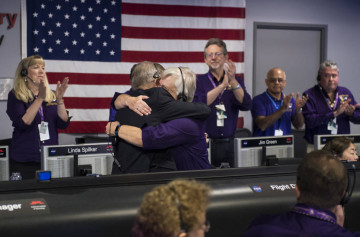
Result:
[
  {"x": 290, "y": 106},
  {"x": 279, "y": 132},
  {"x": 332, "y": 126},
  {"x": 220, "y": 115},
  {"x": 44, "y": 131}
]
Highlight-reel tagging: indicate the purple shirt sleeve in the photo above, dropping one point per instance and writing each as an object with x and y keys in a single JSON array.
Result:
[
  {"x": 262, "y": 106},
  {"x": 232, "y": 106},
  {"x": 317, "y": 113},
  {"x": 26, "y": 142},
  {"x": 170, "y": 134}
]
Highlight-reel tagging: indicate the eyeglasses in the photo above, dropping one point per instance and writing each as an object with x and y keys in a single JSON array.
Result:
[
  {"x": 274, "y": 80},
  {"x": 156, "y": 75},
  {"x": 210, "y": 55},
  {"x": 206, "y": 226}
]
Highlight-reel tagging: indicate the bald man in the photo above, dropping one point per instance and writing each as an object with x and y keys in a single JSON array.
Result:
[{"x": 272, "y": 111}]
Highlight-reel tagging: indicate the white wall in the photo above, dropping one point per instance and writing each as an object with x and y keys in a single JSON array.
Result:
[
  {"x": 341, "y": 16},
  {"x": 9, "y": 57}
]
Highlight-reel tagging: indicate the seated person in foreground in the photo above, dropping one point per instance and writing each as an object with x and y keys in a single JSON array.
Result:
[
  {"x": 342, "y": 148},
  {"x": 320, "y": 187},
  {"x": 177, "y": 209}
]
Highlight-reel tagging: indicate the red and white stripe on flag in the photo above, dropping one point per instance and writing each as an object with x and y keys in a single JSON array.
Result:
[{"x": 172, "y": 33}]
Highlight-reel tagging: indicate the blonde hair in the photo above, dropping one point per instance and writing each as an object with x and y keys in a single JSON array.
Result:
[
  {"x": 189, "y": 79},
  {"x": 21, "y": 90},
  {"x": 159, "y": 213}
]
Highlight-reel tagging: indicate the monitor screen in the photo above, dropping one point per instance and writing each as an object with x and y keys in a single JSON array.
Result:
[
  {"x": 321, "y": 140},
  {"x": 4, "y": 163},
  {"x": 249, "y": 151},
  {"x": 93, "y": 158}
]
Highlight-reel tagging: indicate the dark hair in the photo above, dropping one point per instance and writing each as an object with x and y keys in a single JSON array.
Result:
[
  {"x": 337, "y": 146},
  {"x": 321, "y": 179},
  {"x": 217, "y": 42}
]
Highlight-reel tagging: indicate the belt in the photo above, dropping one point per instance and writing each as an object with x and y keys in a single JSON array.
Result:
[{"x": 226, "y": 139}]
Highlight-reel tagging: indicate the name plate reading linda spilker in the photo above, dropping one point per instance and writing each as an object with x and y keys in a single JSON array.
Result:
[{"x": 79, "y": 149}]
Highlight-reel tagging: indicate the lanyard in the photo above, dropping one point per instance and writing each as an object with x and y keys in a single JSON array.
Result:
[
  {"x": 275, "y": 106},
  {"x": 308, "y": 211},
  {"x": 328, "y": 100},
  {"x": 273, "y": 101},
  {"x": 214, "y": 85},
  {"x": 41, "y": 112}
]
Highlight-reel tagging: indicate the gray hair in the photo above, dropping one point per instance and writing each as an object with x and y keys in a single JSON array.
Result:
[
  {"x": 143, "y": 74},
  {"x": 217, "y": 42},
  {"x": 324, "y": 65},
  {"x": 189, "y": 79}
]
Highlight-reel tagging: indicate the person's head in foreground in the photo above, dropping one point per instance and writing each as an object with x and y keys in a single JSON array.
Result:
[
  {"x": 321, "y": 180},
  {"x": 342, "y": 148},
  {"x": 177, "y": 209}
]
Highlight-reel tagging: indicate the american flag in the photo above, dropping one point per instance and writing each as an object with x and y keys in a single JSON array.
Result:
[{"x": 96, "y": 42}]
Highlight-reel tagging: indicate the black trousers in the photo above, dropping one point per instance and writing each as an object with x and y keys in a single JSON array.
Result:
[
  {"x": 27, "y": 170},
  {"x": 222, "y": 151}
]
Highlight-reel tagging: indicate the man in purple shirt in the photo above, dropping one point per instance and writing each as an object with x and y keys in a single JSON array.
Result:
[
  {"x": 320, "y": 186},
  {"x": 226, "y": 94},
  {"x": 330, "y": 107},
  {"x": 272, "y": 111}
]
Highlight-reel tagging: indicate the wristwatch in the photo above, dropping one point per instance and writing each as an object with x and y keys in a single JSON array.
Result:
[
  {"x": 117, "y": 130},
  {"x": 238, "y": 87}
]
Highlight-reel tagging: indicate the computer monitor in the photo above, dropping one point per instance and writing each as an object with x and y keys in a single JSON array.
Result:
[
  {"x": 93, "y": 158},
  {"x": 250, "y": 151},
  {"x": 4, "y": 163},
  {"x": 321, "y": 140}
]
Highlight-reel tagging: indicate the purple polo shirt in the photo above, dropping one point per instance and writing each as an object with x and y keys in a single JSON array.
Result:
[
  {"x": 25, "y": 143},
  {"x": 186, "y": 139},
  {"x": 232, "y": 105},
  {"x": 294, "y": 224},
  {"x": 317, "y": 113},
  {"x": 265, "y": 105}
]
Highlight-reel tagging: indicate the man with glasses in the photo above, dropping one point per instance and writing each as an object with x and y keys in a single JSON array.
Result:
[
  {"x": 272, "y": 111},
  {"x": 226, "y": 94},
  {"x": 330, "y": 107}
]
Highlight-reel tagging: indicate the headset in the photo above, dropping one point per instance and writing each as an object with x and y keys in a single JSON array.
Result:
[
  {"x": 183, "y": 227},
  {"x": 182, "y": 95},
  {"x": 349, "y": 166},
  {"x": 156, "y": 74},
  {"x": 24, "y": 71},
  {"x": 349, "y": 190}
]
